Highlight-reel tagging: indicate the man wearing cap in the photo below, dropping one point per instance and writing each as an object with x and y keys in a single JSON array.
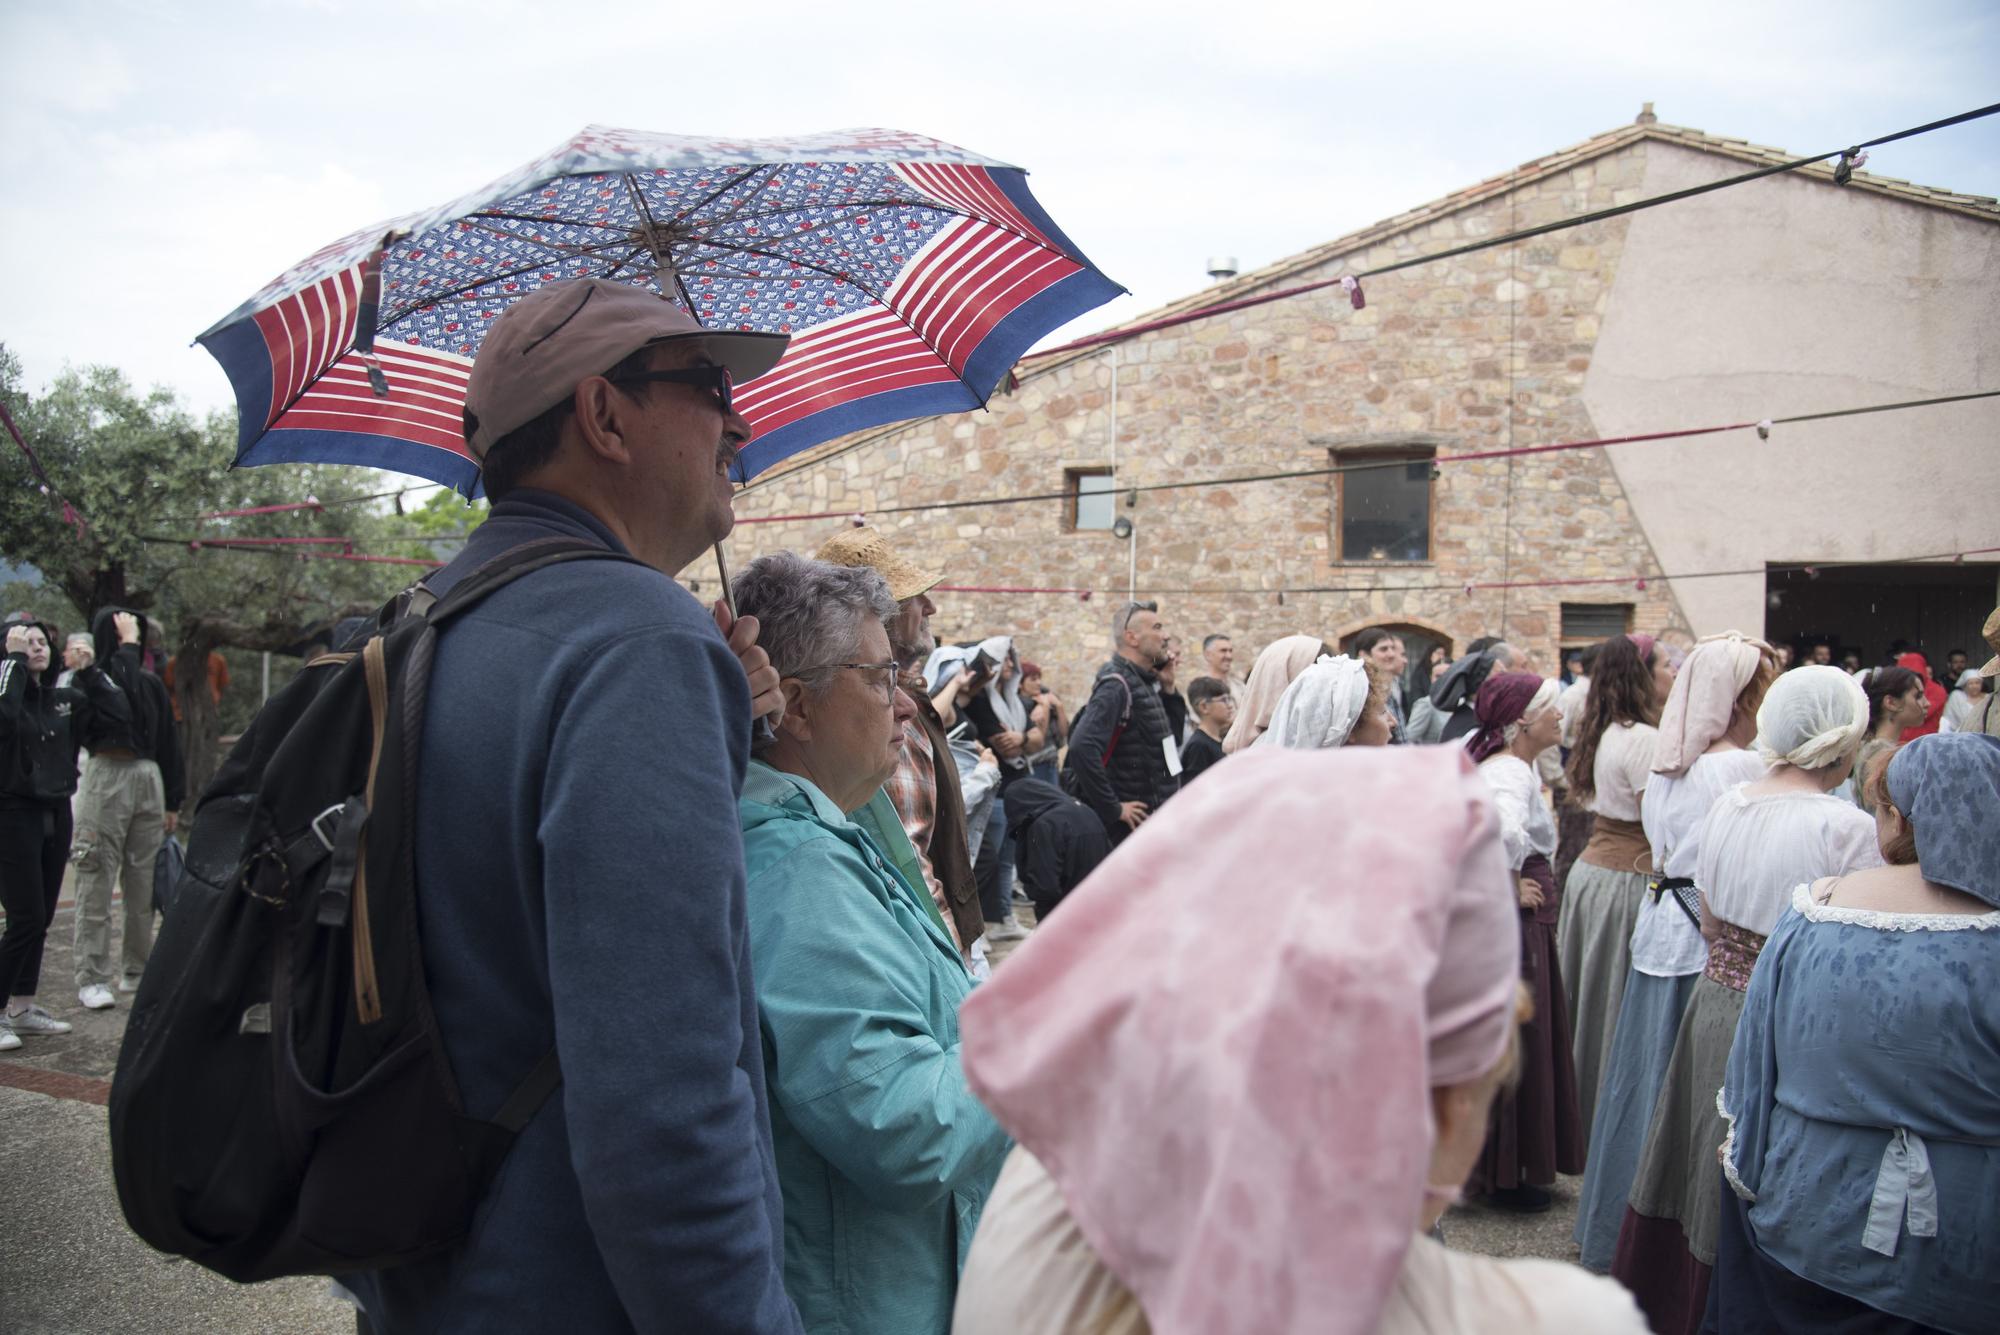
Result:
[
  {"x": 579, "y": 862},
  {"x": 923, "y": 794}
]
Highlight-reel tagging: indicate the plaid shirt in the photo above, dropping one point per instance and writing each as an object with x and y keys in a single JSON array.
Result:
[{"x": 913, "y": 791}]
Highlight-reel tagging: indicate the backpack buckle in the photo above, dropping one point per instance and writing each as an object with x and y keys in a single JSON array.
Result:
[{"x": 323, "y": 835}]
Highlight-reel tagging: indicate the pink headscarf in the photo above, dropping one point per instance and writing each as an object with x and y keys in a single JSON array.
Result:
[
  {"x": 1222, "y": 1051},
  {"x": 1275, "y": 669},
  {"x": 1644, "y": 642},
  {"x": 1704, "y": 697}
]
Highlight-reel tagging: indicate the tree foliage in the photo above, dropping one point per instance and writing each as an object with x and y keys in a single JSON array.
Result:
[{"x": 143, "y": 472}]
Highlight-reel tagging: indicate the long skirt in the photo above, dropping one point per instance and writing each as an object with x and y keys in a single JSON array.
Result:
[
  {"x": 1666, "y": 1244},
  {"x": 1535, "y": 1132},
  {"x": 1649, "y": 1019},
  {"x": 1573, "y": 827},
  {"x": 1594, "y": 944},
  {"x": 1750, "y": 1294}
]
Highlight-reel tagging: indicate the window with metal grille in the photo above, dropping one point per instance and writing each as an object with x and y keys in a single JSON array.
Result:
[
  {"x": 1382, "y": 504},
  {"x": 1091, "y": 500},
  {"x": 1587, "y": 623}
]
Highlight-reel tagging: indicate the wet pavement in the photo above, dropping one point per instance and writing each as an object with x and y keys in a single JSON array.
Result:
[{"x": 69, "y": 1265}]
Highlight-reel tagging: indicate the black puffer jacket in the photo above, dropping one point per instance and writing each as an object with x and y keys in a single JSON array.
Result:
[
  {"x": 1137, "y": 769},
  {"x": 41, "y": 727}
]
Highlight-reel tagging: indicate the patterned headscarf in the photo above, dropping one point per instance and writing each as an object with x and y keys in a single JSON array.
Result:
[
  {"x": 1504, "y": 700},
  {"x": 1704, "y": 697},
  {"x": 1948, "y": 788},
  {"x": 1320, "y": 709},
  {"x": 1275, "y": 669},
  {"x": 1222, "y": 1050}
]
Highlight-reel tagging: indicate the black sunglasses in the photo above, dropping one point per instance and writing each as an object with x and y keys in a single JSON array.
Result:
[{"x": 715, "y": 379}]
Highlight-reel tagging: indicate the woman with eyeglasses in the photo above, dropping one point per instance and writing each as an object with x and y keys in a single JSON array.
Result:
[{"x": 884, "y": 1156}]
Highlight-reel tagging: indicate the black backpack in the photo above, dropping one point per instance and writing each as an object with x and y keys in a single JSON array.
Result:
[{"x": 283, "y": 1104}]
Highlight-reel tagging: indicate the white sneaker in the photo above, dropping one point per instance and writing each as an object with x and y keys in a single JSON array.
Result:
[
  {"x": 35, "y": 1020},
  {"x": 1007, "y": 929},
  {"x": 96, "y": 997},
  {"x": 8, "y": 1042}
]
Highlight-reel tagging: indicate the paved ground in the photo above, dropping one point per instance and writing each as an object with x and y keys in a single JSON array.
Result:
[{"x": 69, "y": 1266}]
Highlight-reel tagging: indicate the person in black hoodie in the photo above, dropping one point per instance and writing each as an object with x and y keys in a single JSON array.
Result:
[
  {"x": 132, "y": 792},
  {"x": 41, "y": 727}
]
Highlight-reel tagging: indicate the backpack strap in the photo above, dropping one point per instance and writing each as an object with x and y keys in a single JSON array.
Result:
[
  {"x": 503, "y": 570},
  {"x": 1124, "y": 716},
  {"x": 530, "y": 1094}
]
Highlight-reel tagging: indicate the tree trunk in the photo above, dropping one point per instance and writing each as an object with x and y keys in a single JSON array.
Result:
[{"x": 199, "y": 719}]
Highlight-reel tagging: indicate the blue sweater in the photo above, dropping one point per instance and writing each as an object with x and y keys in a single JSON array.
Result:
[{"x": 580, "y": 884}]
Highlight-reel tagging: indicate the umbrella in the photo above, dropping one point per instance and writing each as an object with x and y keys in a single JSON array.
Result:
[{"x": 910, "y": 275}]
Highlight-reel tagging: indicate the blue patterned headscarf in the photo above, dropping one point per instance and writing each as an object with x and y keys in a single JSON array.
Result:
[{"x": 1948, "y": 787}]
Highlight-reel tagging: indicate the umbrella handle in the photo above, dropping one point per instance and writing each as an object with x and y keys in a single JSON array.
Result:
[{"x": 761, "y": 730}]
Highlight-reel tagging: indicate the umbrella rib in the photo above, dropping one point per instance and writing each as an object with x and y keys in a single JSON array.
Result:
[
  {"x": 454, "y": 294},
  {"x": 718, "y": 193},
  {"x": 544, "y": 221}
]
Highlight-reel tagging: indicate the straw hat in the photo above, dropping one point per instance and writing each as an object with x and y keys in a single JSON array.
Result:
[{"x": 866, "y": 547}]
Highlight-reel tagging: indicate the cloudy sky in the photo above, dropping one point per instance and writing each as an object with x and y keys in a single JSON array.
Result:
[{"x": 164, "y": 160}]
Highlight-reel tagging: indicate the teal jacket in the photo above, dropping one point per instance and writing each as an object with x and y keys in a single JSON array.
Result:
[{"x": 884, "y": 1156}]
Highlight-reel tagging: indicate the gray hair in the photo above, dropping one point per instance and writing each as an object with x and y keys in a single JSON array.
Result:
[
  {"x": 810, "y": 613},
  {"x": 1123, "y": 615}
]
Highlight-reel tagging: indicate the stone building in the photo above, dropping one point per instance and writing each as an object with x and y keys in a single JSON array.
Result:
[{"x": 1793, "y": 294}]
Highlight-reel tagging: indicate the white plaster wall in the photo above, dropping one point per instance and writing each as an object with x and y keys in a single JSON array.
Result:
[{"x": 1792, "y": 295}]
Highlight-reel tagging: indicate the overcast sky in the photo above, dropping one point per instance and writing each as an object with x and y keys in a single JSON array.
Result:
[{"x": 163, "y": 161}]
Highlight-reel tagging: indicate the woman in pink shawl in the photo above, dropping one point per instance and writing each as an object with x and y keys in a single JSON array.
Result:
[
  {"x": 1276, "y": 668},
  {"x": 1250, "y": 1064}
]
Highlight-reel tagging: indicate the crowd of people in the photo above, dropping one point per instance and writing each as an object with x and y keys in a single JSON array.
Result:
[{"x": 1316, "y": 949}]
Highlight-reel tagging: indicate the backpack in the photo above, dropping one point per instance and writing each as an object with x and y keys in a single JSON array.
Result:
[
  {"x": 1068, "y": 775},
  {"x": 283, "y": 1104}
]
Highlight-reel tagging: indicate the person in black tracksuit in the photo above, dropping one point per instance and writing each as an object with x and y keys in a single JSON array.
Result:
[{"x": 41, "y": 727}]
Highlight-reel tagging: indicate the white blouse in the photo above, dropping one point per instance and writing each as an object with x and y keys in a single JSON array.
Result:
[
  {"x": 1527, "y": 826},
  {"x": 1030, "y": 1271},
  {"x": 1755, "y": 850},
  {"x": 1623, "y": 768},
  {"x": 1665, "y": 943}
]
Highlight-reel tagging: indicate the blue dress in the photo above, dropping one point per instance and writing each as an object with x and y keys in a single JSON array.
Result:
[{"x": 1863, "y": 1105}]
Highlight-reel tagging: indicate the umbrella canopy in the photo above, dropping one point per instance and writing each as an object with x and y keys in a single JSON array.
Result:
[{"x": 910, "y": 274}]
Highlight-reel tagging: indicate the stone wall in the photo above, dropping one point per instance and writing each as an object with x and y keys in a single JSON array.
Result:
[{"x": 1483, "y": 352}]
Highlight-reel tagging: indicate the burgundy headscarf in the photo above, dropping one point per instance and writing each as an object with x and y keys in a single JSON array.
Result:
[{"x": 1503, "y": 698}]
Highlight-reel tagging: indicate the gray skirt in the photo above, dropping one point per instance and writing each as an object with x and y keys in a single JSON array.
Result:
[
  {"x": 1648, "y": 1021},
  {"x": 1678, "y": 1175},
  {"x": 1594, "y": 953}
]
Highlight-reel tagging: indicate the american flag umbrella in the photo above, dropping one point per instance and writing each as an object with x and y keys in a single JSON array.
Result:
[{"x": 910, "y": 274}]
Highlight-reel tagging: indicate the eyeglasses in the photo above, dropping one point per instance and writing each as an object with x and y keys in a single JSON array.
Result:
[
  {"x": 1125, "y": 612},
  {"x": 715, "y": 379},
  {"x": 885, "y": 684}
]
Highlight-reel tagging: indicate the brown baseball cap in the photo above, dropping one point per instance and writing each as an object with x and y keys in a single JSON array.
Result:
[
  {"x": 865, "y": 547},
  {"x": 543, "y": 345}
]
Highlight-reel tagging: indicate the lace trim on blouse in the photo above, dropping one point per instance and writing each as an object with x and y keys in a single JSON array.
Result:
[
  {"x": 1728, "y": 1152},
  {"x": 1802, "y": 900}
]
